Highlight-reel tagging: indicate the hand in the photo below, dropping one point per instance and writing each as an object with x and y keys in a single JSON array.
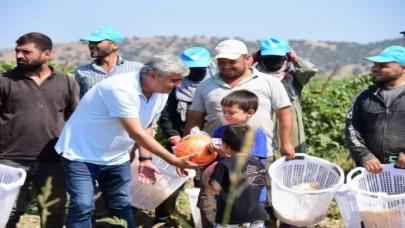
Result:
[
  {"x": 181, "y": 172},
  {"x": 220, "y": 152},
  {"x": 373, "y": 165},
  {"x": 147, "y": 172},
  {"x": 205, "y": 179},
  {"x": 401, "y": 160},
  {"x": 288, "y": 151},
  {"x": 174, "y": 140},
  {"x": 293, "y": 56},
  {"x": 184, "y": 162}
]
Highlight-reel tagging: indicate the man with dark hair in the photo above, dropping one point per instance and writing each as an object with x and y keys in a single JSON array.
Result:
[
  {"x": 375, "y": 123},
  {"x": 103, "y": 44},
  {"x": 35, "y": 101}
]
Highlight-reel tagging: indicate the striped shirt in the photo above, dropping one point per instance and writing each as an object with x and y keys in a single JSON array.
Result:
[{"x": 89, "y": 75}]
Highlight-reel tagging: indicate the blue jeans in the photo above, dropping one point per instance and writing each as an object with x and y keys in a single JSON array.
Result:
[{"x": 114, "y": 183}]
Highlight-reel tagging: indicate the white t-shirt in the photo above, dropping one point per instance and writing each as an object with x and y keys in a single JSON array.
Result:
[{"x": 94, "y": 134}]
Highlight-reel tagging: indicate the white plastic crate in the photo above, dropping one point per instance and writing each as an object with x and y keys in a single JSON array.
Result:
[
  {"x": 11, "y": 180},
  {"x": 303, "y": 208},
  {"x": 348, "y": 207},
  {"x": 380, "y": 197},
  {"x": 150, "y": 196}
]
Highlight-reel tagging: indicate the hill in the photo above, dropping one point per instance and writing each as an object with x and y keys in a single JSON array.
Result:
[{"x": 325, "y": 55}]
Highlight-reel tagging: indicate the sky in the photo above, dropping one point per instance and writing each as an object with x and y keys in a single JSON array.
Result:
[{"x": 361, "y": 21}]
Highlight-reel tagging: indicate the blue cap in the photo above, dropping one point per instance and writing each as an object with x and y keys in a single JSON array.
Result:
[
  {"x": 104, "y": 33},
  {"x": 274, "y": 46},
  {"x": 390, "y": 54},
  {"x": 196, "y": 57}
]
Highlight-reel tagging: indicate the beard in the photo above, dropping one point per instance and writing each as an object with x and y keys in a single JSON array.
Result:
[
  {"x": 99, "y": 53},
  {"x": 382, "y": 80},
  {"x": 30, "y": 66},
  {"x": 237, "y": 73}
]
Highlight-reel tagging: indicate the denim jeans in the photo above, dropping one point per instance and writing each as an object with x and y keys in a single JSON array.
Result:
[
  {"x": 37, "y": 174},
  {"x": 114, "y": 183}
]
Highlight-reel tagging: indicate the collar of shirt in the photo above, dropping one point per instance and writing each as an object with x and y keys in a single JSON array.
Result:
[
  {"x": 218, "y": 79},
  {"x": 139, "y": 89},
  {"x": 20, "y": 73},
  {"x": 120, "y": 61}
]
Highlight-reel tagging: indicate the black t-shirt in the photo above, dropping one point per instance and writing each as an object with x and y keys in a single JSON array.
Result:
[
  {"x": 32, "y": 116},
  {"x": 247, "y": 206}
]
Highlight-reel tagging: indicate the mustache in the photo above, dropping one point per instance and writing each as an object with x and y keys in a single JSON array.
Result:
[{"x": 22, "y": 60}]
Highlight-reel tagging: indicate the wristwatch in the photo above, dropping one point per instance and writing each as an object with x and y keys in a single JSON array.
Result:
[{"x": 141, "y": 159}]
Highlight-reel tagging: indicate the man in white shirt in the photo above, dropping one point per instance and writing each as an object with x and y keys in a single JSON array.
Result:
[{"x": 94, "y": 142}]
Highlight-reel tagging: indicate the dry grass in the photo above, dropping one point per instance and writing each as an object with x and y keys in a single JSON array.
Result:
[{"x": 144, "y": 219}]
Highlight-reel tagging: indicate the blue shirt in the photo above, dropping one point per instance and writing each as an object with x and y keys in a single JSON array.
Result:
[
  {"x": 89, "y": 75},
  {"x": 259, "y": 147},
  {"x": 259, "y": 150},
  {"x": 94, "y": 133}
]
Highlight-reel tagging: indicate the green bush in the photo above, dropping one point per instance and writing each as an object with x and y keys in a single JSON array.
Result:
[{"x": 324, "y": 117}]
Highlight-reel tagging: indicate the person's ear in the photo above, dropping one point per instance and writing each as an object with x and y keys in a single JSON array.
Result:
[
  {"x": 225, "y": 146},
  {"x": 152, "y": 75},
  {"x": 250, "y": 113},
  {"x": 115, "y": 45},
  {"x": 47, "y": 54}
]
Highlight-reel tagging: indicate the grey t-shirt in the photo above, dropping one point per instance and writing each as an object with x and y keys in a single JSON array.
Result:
[
  {"x": 271, "y": 93},
  {"x": 390, "y": 94}
]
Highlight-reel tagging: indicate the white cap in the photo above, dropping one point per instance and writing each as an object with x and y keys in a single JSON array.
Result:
[{"x": 231, "y": 49}]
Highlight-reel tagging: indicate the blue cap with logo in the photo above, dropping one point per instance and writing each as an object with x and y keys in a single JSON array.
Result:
[
  {"x": 196, "y": 57},
  {"x": 390, "y": 54},
  {"x": 104, "y": 33},
  {"x": 274, "y": 46}
]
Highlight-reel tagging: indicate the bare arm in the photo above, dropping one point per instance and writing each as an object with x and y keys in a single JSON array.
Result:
[
  {"x": 145, "y": 140},
  {"x": 206, "y": 181},
  {"x": 285, "y": 118},
  {"x": 196, "y": 119},
  {"x": 142, "y": 151}
]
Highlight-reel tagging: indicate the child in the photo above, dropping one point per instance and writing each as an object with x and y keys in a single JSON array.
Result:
[
  {"x": 238, "y": 107},
  {"x": 246, "y": 210}
]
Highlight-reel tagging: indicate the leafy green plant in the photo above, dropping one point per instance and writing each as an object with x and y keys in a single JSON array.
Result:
[
  {"x": 6, "y": 66},
  {"x": 66, "y": 68},
  {"x": 324, "y": 117},
  {"x": 43, "y": 200},
  {"x": 114, "y": 221}
]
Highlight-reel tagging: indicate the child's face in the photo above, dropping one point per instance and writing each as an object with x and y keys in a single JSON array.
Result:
[{"x": 234, "y": 115}]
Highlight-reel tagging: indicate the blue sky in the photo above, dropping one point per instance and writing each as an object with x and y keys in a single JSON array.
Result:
[{"x": 360, "y": 21}]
